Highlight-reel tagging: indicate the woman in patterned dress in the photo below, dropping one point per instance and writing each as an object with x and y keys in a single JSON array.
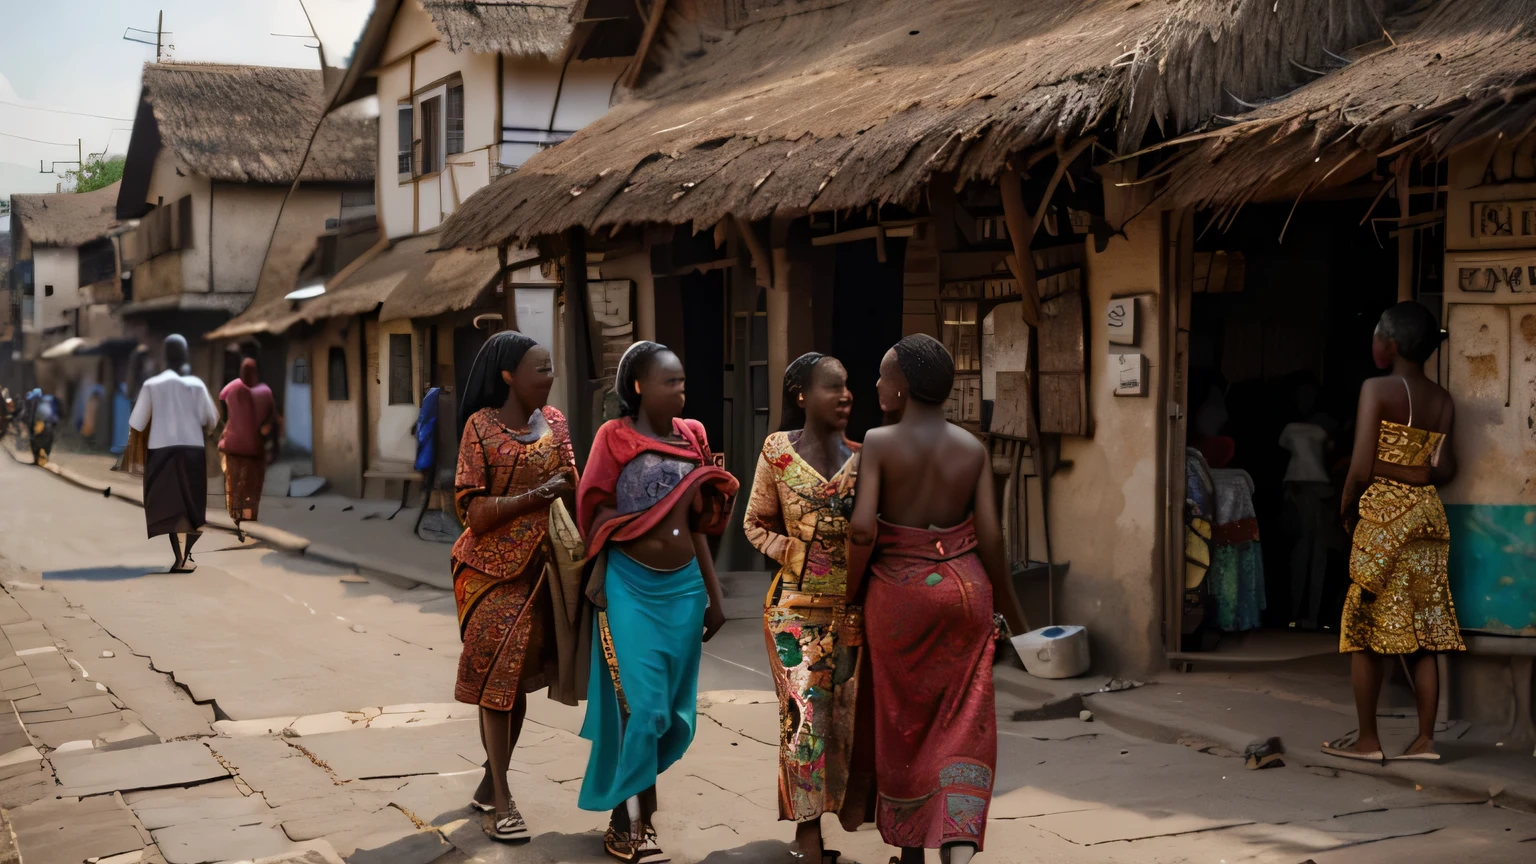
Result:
[
  {"x": 1399, "y": 598},
  {"x": 515, "y": 459},
  {"x": 802, "y": 496}
]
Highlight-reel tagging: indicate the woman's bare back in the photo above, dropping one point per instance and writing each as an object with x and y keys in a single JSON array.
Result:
[{"x": 928, "y": 472}]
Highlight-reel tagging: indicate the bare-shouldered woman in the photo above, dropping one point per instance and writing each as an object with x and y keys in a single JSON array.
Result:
[{"x": 925, "y": 528}]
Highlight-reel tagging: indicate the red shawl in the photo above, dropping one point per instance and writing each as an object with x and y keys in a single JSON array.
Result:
[{"x": 616, "y": 444}]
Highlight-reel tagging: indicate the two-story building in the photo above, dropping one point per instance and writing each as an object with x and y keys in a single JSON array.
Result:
[
  {"x": 210, "y": 168},
  {"x": 68, "y": 278},
  {"x": 466, "y": 93}
]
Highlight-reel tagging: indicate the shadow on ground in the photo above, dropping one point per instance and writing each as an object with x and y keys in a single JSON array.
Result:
[{"x": 101, "y": 574}]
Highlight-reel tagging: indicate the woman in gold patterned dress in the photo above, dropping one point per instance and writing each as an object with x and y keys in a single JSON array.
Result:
[
  {"x": 1399, "y": 600},
  {"x": 802, "y": 496}
]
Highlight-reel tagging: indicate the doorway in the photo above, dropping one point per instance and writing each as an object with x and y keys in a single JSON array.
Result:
[
  {"x": 866, "y": 320},
  {"x": 703, "y": 350},
  {"x": 1279, "y": 346}
]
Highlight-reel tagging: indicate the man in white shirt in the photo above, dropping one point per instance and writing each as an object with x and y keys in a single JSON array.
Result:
[{"x": 176, "y": 410}]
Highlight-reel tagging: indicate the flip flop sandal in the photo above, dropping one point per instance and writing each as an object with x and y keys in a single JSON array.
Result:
[
  {"x": 1426, "y": 756},
  {"x": 1336, "y": 749},
  {"x": 649, "y": 849},
  {"x": 508, "y": 827},
  {"x": 618, "y": 844},
  {"x": 483, "y": 808}
]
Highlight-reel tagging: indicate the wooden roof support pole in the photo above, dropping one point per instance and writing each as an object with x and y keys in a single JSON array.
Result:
[
  {"x": 1021, "y": 262},
  {"x": 632, "y": 76},
  {"x": 1401, "y": 168}
]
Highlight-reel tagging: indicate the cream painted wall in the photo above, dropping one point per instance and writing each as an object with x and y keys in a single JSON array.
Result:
[
  {"x": 1487, "y": 364},
  {"x": 1105, "y": 508},
  {"x": 169, "y": 181},
  {"x": 59, "y": 267},
  {"x": 243, "y": 218},
  {"x": 393, "y": 439},
  {"x": 418, "y": 66},
  {"x": 337, "y": 426},
  {"x": 528, "y": 99}
]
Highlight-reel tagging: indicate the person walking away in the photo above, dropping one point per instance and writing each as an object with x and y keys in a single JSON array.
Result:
[
  {"x": 176, "y": 414},
  {"x": 925, "y": 528},
  {"x": 515, "y": 460},
  {"x": 651, "y": 492},
  {"x": 45, "y": 422},
  {"x": 802, "y": 496},
  {"x": 251, "y": 422},
  {"x": 1399, "y": 600}
]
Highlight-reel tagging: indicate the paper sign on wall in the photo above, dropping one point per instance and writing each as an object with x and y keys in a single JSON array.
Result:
[
  {"x": 1120, "y": 317},
  {"x": 1130, "y": 374}
]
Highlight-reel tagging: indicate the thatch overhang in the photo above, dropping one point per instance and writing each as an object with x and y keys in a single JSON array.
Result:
[
  {"x": 1459, "y": 71},
  {"x": 67, "y": 218},
  {"x": 409, "y": 276},
  {"x": 534, "y": 29},
  {"x": 245, "y": 124},
  {"x": 863, "y": 101}
]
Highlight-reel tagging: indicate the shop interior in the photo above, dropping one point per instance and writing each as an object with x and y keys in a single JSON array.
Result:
[{"x": 1279, "y": 345}]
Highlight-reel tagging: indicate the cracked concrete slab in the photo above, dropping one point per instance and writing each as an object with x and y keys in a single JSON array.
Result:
[
  {"x": 72, "y": 829},
  {"x": 361, "y": 754},
  {"x": 178, "y": 763}
]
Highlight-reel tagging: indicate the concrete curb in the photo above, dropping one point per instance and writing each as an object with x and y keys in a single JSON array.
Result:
[
  {"x": 283, "y": 541},
  {"x": 1170, "y": 727}
]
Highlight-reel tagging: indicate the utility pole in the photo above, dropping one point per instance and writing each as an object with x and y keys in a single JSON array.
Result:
[{"x": 160, "y": 34}]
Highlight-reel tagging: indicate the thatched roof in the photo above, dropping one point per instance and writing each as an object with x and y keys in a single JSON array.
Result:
[
  {"x": 67, "y": 218},
  {"x": 1462, "y": 70},
  {"x": 863, "y": 101},
  {"x": 251, "y": 124},
  {"x": 408, "y": 276},
  {"x": 538, "y": 28}
]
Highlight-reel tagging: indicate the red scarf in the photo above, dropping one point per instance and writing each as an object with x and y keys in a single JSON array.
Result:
[{"x": 616, "y": 444}]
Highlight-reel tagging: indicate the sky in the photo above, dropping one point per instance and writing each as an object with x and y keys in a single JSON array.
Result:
[{"x": 70, "y": 55}]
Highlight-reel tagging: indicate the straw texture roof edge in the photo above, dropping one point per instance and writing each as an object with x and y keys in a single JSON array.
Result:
[
  {"x": 67, "y": 218},
  {"x": 866, "y": 100}
]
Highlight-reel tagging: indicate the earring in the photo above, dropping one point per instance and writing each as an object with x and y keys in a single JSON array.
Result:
[
  {"x": 898, "y": 394},
  {"x": 637, "y": 388}
]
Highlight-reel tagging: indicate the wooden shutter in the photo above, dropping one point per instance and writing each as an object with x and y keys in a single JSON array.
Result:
[
  {"x": 1063, "y": 366},
  {"x": 431, "y": 143},
  {"x": 400, "y": 369}
]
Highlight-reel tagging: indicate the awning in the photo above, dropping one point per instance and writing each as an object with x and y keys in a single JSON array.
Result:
[
  {"x": 66, "y": 348},
  {"x": 445, "y": 281},
  {"x": 426, "y": 282},
  {"x": 198, "y": 302}
]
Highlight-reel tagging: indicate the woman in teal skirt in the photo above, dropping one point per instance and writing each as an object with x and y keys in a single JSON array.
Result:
[{"x": 650, "y": 494}]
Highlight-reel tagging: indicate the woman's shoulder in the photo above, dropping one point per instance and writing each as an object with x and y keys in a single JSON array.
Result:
[
  {"x": 775, "y": 443},
  {"x": 553, "y": 416}
]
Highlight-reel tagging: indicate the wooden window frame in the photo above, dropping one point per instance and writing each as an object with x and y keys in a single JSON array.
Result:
[
  {"x": 336, "y": 362},
  {"x": 400, "y": 374}
]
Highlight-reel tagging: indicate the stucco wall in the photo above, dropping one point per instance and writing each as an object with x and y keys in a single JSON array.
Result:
[
  {"x": 186, "y": 270},
  {"x": 243, "y": 217},
  {"x": 302, "y": 222},
  {"x": 59, "y": 267},
  {"x": 416, "y": 64},
  {"x": 337, "y": 426},
  {"x": 1104, "y": 508},
  {"x": 1489, "y": 366}
]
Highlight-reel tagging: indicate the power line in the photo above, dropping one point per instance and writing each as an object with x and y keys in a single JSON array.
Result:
[
  {"x": 62, "y": 111},
  {"x": 37, "y": 141}
]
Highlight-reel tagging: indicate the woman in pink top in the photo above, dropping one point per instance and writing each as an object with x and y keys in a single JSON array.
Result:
[{"x": 250, "y": 420}]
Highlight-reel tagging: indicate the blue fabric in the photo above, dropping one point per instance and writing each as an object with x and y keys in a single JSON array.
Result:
[
  {"x": 1237, "y": 581},
  {"x": 121, "y": 408},
  {"x": 426, "y": 428},
  {"x": 657, "y": 622}
]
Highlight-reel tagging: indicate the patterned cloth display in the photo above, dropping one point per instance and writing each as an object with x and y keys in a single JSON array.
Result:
[
  {"x": 498, "y": 578},
  {"x": 930, "y": 633},
  {"x": 815, "y": 641},
  {"x": 1400, "y": 599},
  {"x": 1237, "y": 560}
]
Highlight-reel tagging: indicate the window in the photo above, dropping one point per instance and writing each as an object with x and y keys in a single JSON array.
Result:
[
  {"x": 300, "y": 370},
  {"x": 407, "y": 138},
  {"x": 47, "y": 290},
  {"x": 336, "y": 389},
  {"x": 167, "y": 228},
  {"x": 431, "y": 140},
  {"x": 400, "y": 369},
  {"x": 455, "y": 142},
  {"x": 98, "y": 262}
]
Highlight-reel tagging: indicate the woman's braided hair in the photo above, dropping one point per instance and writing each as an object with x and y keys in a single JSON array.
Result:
[
  {"x": 633, "y": 365},
  {"x": 797, "y": 377},
  {"x": 929, "y": 369}
]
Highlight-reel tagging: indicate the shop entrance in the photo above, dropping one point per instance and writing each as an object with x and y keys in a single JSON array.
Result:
[
  {"x": 866, "y": 320},
  {"x": 1279, "y": 345}
]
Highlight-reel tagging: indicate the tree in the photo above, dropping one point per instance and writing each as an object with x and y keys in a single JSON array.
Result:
[{"x": 97, "y": 172}]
